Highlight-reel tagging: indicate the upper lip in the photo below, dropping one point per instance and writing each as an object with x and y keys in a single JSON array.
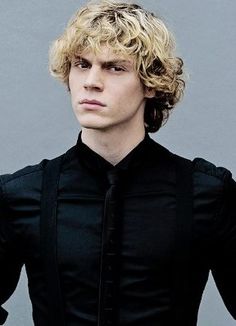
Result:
[{"x": 87, "y": 101}]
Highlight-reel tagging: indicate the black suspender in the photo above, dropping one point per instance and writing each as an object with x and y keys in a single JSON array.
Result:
[
  {"x": 183, "y": 241},
  {"x": 48, "y": 229},
  {"x": 48, "y": 242}
]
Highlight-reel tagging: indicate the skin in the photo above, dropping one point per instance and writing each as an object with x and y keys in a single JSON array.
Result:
[{"x": 116, "y": 125}]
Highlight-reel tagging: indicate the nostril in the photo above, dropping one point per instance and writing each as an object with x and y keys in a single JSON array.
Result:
[{"x": 94, "y": 86}]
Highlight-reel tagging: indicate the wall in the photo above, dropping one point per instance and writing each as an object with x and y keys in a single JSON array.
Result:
[{"x": 37, "y": 119}]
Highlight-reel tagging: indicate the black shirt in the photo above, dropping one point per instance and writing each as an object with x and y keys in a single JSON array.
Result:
[{"x": 137, "y": 258}]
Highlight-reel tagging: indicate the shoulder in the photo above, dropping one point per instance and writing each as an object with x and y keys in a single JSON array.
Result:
[
  {"x": 211, "y": 182},
  {"x": 21, "y": 180},
  {"x": 208, "y": 178},
  {"x": 204, "y": 172},
  {"x": 208, "y": 169},
  {"x": 25, "y": 180},
  {"x": 23, "y": 173},
  {"x": 207, "y": 174}
]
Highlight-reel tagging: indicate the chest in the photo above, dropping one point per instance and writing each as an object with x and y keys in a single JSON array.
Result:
[{"x": 145, "y": 232}]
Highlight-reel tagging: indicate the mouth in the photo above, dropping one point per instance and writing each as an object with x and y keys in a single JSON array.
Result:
[{"x": 93, "y": 103}]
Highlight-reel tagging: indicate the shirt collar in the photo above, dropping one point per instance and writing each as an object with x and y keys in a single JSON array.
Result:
[{"x": 94, "y": 161}]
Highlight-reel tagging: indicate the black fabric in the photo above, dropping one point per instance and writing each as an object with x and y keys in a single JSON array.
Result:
[
  {"x": 110, "y": 248},
  {"x": 109, "y": 276},
  {"x": 183, "y": 242},
  {"x": 3, "y": 315},
  {"x": 144, "y": 202},
  {"x": 48, "y": 242}
]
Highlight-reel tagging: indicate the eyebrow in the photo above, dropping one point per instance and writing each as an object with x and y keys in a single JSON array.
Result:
[{"x": 106, "y": 63}]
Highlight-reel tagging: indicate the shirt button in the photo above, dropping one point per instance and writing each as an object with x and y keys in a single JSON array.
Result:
[{"x": 111, "y": 241}]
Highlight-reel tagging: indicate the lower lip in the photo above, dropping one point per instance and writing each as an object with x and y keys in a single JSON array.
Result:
[{"x": 91, "y": 106}]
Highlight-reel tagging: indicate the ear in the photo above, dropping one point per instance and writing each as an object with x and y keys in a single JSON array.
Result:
[{"x": 149, "y": 92}]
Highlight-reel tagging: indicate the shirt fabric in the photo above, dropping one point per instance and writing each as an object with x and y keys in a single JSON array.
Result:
[{"x": 116, "y": 236}]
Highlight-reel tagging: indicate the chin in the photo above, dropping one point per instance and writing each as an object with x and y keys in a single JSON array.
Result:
[{"x": 93, "y": 124}]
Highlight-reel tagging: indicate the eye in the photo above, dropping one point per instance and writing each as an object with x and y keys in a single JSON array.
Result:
[
  {"x": 81, "y": 64},
  {"x": 116, "y": 68}
]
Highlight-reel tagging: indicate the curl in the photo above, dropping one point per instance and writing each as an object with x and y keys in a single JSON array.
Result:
[{"x": 127, "y": 29}]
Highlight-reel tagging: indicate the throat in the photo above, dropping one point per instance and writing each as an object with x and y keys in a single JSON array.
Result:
[{"x": 112, "y": 149}]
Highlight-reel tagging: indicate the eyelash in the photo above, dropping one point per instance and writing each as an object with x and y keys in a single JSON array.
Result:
[
  {"x": 117, "y": 67},
  {"x": 80, "y": 63}
]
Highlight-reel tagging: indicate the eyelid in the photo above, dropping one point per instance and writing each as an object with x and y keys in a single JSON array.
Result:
[
  {"x": 115, "y": 65},
  {"x": 80, "y": 62}
]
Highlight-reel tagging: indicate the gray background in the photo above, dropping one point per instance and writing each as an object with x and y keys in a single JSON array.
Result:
[{"x": 37, "y": 119}]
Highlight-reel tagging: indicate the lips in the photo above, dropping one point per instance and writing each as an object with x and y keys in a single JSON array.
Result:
[{"x": 92, "y": 102}]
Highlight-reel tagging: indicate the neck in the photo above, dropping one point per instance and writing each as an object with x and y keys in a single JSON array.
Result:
[{"x": 112, "y": 146}]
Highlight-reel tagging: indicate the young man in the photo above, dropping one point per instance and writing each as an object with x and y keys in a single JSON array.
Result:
[{"x": 118, "y": 230}]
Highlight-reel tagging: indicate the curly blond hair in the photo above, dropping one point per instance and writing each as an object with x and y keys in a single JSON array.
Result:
[{"x": 131, "y": 30}]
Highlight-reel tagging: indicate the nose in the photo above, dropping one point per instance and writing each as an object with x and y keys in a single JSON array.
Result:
[{"x": 94, "y": 81}]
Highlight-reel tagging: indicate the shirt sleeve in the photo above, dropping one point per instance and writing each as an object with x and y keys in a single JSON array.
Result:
[
  {"x": 10, "y": 264},
  {"x": 224, "y": 257}
]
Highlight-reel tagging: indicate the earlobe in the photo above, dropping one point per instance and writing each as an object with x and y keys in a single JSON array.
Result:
[{"x": 150, "y": 92}]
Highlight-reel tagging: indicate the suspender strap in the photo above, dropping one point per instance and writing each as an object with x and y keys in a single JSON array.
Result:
[
  {"x": 183, "y": 243},
  {"x": 48, "y": 241}
]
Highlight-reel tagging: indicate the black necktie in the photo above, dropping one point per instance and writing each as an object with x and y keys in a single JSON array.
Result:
[{"x": 109, "y": 277}]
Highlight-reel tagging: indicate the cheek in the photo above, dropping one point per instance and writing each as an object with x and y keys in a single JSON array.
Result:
[
  {"x": 75, "y": 80},
  {"x": 136, "y": 94},
  {"x": 74, "y": 86},
  {"x": 127, "y": 89},
  {"x": 71, "y": 81},
  {"x": 135, "y": 87}
]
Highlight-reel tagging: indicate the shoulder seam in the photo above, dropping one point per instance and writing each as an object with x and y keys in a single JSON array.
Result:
[{"x": 210, "y": 169}]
